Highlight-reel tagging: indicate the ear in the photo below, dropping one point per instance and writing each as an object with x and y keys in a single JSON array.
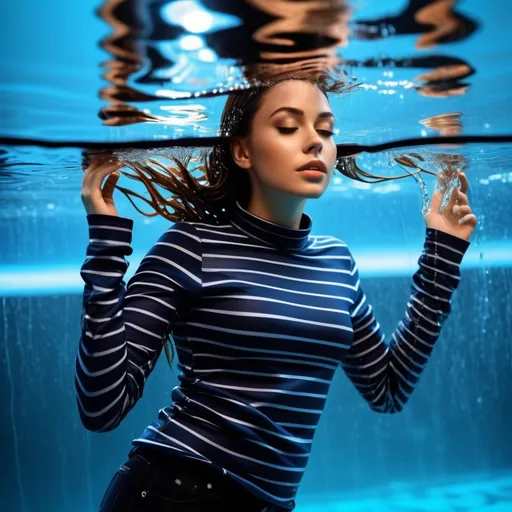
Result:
[{"x": 240, "y": 153}]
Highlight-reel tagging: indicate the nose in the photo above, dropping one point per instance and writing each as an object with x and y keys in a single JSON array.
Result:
[{"x": 314, "y": 145}]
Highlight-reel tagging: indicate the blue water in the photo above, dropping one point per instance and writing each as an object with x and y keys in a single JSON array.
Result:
[{"x": 451, "y": 448}]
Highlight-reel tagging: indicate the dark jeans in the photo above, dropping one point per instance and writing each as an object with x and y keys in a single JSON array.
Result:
[{"x": 149, "y": 481}]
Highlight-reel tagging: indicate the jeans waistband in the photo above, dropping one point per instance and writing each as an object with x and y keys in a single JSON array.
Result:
[{"x": 230, "y": 488}]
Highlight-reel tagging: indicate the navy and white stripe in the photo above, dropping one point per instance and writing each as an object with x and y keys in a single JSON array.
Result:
[{"x": 262, "y": 315}]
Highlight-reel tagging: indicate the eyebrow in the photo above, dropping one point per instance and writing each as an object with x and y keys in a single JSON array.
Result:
[{"x": 299, "y": 112}]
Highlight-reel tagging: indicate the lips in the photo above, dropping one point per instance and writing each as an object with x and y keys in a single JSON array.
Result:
[{"x": 314, "y": 165}]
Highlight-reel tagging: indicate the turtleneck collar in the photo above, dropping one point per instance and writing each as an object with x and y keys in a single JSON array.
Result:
[{"x": 280, "y": 237}]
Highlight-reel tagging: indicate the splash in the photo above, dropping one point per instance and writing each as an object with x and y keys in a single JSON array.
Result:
[
  {"x": 445, "y": 169},
  {"x": 140, "y": 156}
]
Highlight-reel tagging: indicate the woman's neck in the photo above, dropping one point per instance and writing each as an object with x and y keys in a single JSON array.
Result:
[{"x": 285, "y": 211}]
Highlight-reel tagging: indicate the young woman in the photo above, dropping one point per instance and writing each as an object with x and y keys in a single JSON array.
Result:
[{"x": 260, "y": 311}]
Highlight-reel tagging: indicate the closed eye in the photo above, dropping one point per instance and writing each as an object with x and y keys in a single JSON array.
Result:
[{"x": 324, "y": 133}]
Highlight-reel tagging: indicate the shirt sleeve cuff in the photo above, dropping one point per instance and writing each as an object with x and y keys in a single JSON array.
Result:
[
  {"x": 447, "y": 246},
  {"x": 110, "y": 227}
]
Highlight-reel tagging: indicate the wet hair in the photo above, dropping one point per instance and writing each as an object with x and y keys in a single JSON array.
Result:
[{"x": 207, "y": 188}]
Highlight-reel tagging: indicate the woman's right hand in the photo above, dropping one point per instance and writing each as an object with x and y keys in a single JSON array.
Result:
[{"x": 95, "y": 198}]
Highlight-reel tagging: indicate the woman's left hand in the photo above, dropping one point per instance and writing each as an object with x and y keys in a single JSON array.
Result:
[{"x": 457, "y": 218}]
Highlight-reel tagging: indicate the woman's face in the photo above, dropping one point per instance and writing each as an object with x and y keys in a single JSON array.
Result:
[{"x": 291, "y": 131}]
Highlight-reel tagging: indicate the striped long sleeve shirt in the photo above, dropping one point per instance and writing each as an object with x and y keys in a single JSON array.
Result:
[{"x": 261, "y": 316}]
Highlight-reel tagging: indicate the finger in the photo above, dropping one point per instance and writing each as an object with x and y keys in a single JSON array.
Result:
[
  {"x": 453, "y": 199},
  {"x": 469, "y": 220},
  {"x": 464, "y": 184},
  {"x": 460, "y": 210},
  {"x": 86, "y": 160},
  {"x": 462, "y": 198},
  {"x": 94, "y": 176},
  {"x": 109, "y": 187},
  {"x": 93, "y": 160},
  {"x": 437, "y": 199}
]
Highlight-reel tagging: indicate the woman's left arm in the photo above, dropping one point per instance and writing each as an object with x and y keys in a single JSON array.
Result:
[{"x": 386, "y": 373}]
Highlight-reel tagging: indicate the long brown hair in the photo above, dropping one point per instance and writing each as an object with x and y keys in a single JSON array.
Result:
[{"x": 206, "y": 188}]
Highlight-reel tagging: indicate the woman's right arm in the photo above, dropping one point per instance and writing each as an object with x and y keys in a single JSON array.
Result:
[{"x": 123, "y": 327}]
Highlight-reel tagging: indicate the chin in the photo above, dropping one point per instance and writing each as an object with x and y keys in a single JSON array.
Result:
[
  {"x": 312, "y": 193},
  {"x": 315, "y": 196}
]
